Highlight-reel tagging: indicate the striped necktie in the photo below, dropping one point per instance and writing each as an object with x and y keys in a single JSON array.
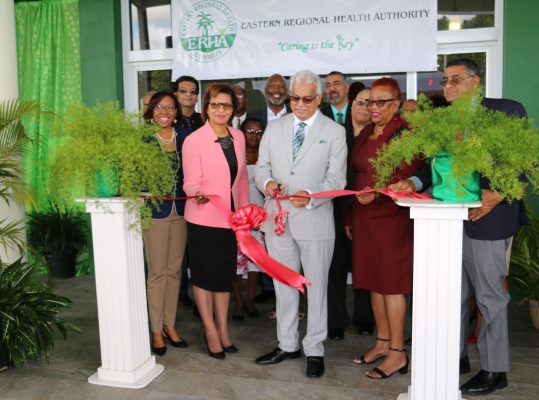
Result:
[
  {"x": 298, "y": 139},
  {"x": 339, "y": 119}
]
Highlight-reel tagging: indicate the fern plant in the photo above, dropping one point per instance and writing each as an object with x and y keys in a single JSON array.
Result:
[
  {"x": 502, "y": 148},
  {"x": 101, "y": 139}
]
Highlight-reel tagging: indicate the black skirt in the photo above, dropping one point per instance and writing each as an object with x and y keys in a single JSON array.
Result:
[{"x": 212, "y": 256}]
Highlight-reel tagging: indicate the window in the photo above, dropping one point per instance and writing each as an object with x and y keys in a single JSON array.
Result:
[
  {"x": 150, "y": 24},
  {"x": 153, "y": 81},
  {"x": 455, "y": 15}
]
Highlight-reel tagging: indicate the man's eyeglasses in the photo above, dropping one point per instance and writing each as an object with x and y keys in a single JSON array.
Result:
[
  {"x": 225, "y": 106},
  {"x": 454, "y": 80},
  {"x": 379, "y": 103},
  {"x": 361, "y": 103},
  {"x": 160, "y": 107},
  {"x": 306, "y": 100},
  {"x": 252, "y": 131},
  {"x": 185, "y": 91}
]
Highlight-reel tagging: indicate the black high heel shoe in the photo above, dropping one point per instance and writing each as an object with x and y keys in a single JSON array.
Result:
[
  {"x": 182, "y": 344},
  {"x": 220, "y": 355},
  {"x": 159, "y": 351},
  {"x": 403, "y": 370},
  {"x": 230, "y": 349}
]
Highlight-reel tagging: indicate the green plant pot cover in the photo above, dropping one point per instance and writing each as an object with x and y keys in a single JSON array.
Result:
[
  {"x": 108, "y": 182},
  {"x": 447, "y": 187}
]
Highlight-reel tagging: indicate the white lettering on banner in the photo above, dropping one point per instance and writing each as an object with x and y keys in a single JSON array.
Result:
[{"x": 235, "y": 38}]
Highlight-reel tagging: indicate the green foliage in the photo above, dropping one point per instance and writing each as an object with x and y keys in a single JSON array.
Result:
[
  {"x": 29, "y": 311},
  {"x": 104, "y": 138},
  {"x": 12, "y": 187},
  {"x": 500, "y": 147},
  {"x": 58, "y": 230},
  {"x": 524, "y": 269}
]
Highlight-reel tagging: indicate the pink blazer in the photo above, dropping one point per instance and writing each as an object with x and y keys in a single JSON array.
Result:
[{"x": 206, "y": 170}]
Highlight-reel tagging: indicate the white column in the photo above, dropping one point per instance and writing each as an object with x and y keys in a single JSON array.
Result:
[
  {"x": 9, "y": 89},
  {"x": 126, "y": 360},
  {"x": 436, "y": 306}
]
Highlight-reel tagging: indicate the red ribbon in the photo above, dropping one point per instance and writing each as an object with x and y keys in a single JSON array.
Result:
[
  {"x": 280, "y": 218},
  {"x": 252, "y": 217}
]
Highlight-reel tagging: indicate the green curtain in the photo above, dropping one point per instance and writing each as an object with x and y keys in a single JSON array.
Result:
[{"x": 48, "y": 54}]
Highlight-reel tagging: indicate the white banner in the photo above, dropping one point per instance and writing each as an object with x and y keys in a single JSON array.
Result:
[{"x": 247, "y": 38}]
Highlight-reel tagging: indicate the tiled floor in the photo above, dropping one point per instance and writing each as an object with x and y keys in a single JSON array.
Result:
[{"x": 191, "y": 374}]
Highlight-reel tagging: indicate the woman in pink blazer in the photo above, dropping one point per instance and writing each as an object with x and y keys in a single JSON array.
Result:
[{"x": 214, "y": 163}]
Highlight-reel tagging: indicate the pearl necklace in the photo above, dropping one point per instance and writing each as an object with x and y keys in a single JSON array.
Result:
[{"x": 166, "y": 141}]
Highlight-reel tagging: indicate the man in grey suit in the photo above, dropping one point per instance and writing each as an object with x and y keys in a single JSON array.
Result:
[{"x": 301, "y": 153}]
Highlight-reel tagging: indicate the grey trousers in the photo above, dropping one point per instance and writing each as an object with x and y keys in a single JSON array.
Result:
[
  {"x": 484, "y": 270},
  {"x": 315, "y": 257}
]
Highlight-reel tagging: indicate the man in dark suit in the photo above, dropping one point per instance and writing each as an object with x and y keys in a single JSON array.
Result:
[
  {"x": 337, "y": 94},
  {"x": 275, "y": 93},
  {"x": 339, "y": 111},
  {"x": 186, "y": 89},
  {"x": 487, "y": 236}
]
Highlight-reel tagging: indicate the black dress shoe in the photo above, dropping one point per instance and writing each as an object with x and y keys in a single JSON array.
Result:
[
  {"x": 181, "y": 344},
  {"x": 315, "y": 367},
  {"x": 159, "y": 351},
  {"x": 365, "y": 329},
  {"x": 276, "y": 356},
  {"x": 264, "y": 296},
  {"x": 230, "y": 349},
  {"x": 464, "y": 365},
  {"x": 484, "y": 382},
  {"x": 336, "y": 334}
]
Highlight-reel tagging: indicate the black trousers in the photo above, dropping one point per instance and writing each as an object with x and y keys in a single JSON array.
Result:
[{"x": 341, "y": 264}]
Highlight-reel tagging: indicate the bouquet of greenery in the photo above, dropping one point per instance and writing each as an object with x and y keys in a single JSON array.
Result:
[
  {"x": 502, "y": 148},
  {"x": 104, "y": 141}
]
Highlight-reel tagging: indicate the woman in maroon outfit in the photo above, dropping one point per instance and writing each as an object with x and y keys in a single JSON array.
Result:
[{"x": 382, "y": 234}]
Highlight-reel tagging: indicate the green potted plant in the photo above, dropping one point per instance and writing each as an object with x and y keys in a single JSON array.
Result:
[
  {"x": 29, "y": 312},
  {"x": 103, "y": 147},
  {"x": 58, "y": 234},
  {"x": 502, "y": 148},
  {"x": 524, "y": 271}
]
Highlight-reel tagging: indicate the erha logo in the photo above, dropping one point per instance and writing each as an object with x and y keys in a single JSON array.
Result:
[{"x": 207, "y": 30}]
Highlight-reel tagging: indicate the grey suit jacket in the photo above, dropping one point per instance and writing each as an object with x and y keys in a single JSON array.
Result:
[{"x": 319, "y": 166}]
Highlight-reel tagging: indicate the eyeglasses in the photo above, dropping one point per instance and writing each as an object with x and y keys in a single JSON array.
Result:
[
  {"x": 306, "y": 100},
  {"x": 379, "y": 103},
  {"x": 190, "y": 91},
  {"x": 216, "y": 106},
  {"x": 240, "y": 96},
  {"x": 160, "y": 107},
  {"x": 454, "y": 80},
  {"x": 252, "y": 131},
  {"x": 361, "y": 103}
]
